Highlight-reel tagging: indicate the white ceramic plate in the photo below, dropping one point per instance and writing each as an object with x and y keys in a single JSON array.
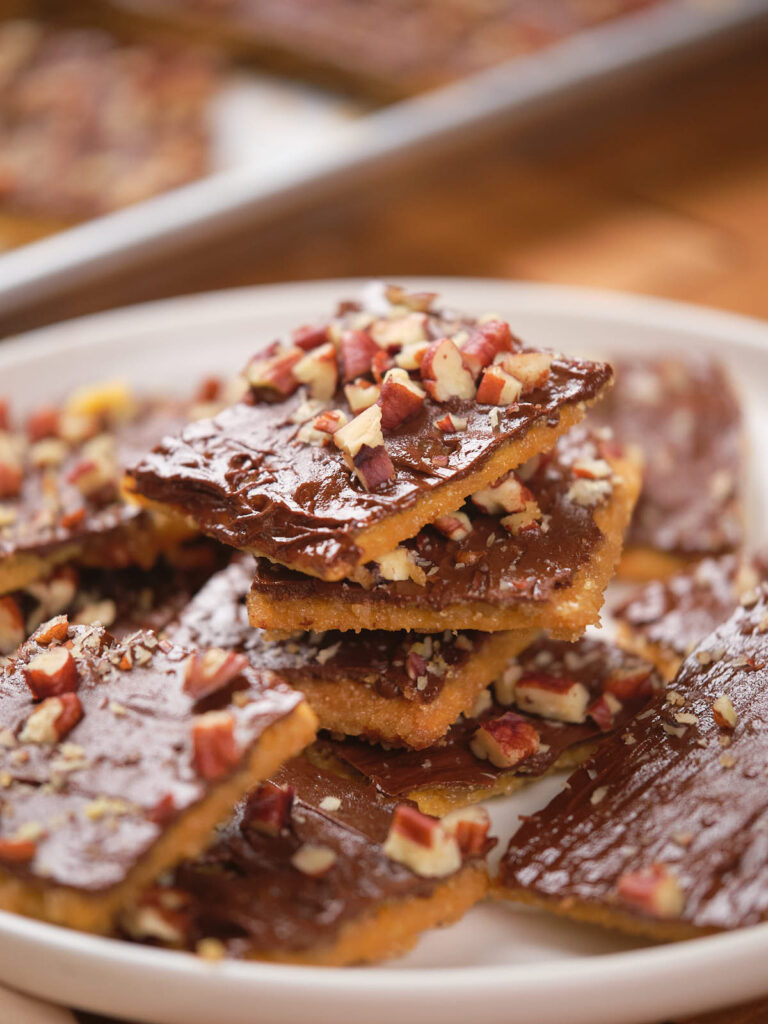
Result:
[{"x": 500, "y": 965}]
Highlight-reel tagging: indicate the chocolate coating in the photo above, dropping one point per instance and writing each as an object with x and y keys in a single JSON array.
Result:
[
  {"x": 94, "y": 796},
  {"x": 491, "y": 564},
  {"x": 686, "y": 795},
  {"x": 246, "y": 892},
  {"x": 686, "y": 418},
  {"x": 451, "y": 761},
  {"x": 246, "y": 479},
  {"x": 381, "y": 660}
]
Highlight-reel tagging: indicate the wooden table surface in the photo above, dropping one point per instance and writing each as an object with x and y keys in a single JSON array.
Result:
[{"x": 662, "y": 190}]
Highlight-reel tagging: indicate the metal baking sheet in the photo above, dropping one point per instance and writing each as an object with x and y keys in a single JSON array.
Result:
[{"x": 316, "y": 139}]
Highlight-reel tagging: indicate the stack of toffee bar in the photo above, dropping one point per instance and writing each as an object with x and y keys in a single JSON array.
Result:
[
  {"x": 418, "y": 504},
  {"x": 424, "y": 508}
]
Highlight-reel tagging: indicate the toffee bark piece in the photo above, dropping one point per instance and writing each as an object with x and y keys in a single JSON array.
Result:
[
  {"x": 662, "y": 832},
  {"x": 117, "y": 758},
  {"x": 307, "y": 872},
  {"x": 67, "y": 149},
  {"x": 388, "y": 686},
  {"x": 602, "y": 685},
  {"x": 665, "y": 619},
  {"x": 60, "y": 478},
  {"x": 121, "y": 600},
  {"x": 491, "y": 574},
  {"x": 382, "y": 49},
  {"x": 363, "y": 430},
  {"x": 686, "y": 419}
]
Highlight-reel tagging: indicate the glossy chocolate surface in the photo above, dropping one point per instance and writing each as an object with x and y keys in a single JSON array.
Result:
[
  {"x": 677, "y": 613},
  {"x": 393, "y": 664},
  {"x": 246, "y": 892},
  {"x": 686, "y": 418},
  {"x": 247, "y": 480},
  {"x": 452, "y": 763},
  {"x": 491, "y": 564},
  {"x": 686, "y": 796},
  {"x": 95, "y": 801}
]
